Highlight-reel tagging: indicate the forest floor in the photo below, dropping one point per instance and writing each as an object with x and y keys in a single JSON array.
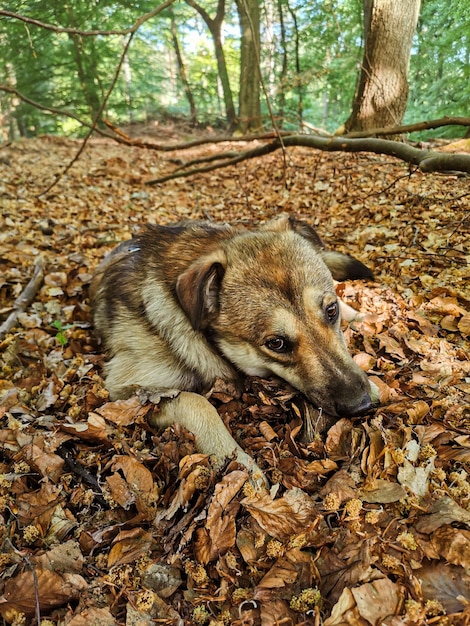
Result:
[{"x": 105, "y": 521}]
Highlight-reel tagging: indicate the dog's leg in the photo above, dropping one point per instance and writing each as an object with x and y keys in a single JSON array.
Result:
[{"x": 197, "y": 414}]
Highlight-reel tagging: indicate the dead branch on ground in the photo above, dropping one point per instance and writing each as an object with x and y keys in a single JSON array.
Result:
[
  {"x": 426, "y": 160},
  {"x": 25, "y": 298},
  {"x": 410, "y": 128}
]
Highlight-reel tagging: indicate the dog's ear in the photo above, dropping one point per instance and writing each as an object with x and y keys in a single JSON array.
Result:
[
  {"x": 345, "y": 267},
  {"x": 198, "y": 287},
  {"x": 341, "y": 266},
  {"x": 287, "y": 222}
]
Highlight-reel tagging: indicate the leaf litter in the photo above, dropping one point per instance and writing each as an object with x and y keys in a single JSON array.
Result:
[{"x": 104, "y": 520}]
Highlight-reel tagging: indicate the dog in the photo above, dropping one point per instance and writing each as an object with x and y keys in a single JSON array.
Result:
[{"x": 182, "y": 305}]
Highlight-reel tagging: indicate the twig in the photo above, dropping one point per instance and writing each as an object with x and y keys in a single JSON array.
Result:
[
  {"x": 25, "y": 298},
  {"x": 89, "y": 33}
]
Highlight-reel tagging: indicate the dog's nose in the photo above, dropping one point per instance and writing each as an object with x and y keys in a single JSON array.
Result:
[{"x": 356, "y": 409}]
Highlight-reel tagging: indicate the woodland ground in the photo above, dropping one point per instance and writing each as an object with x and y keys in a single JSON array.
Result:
[{"x": 104, "y": 521}]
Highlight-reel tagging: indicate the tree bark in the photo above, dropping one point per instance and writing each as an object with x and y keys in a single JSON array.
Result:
[
  {"x": 215, "y": 27},
  {"x": 382, "y": 93},
  {"x": 249, "y": 114},
  {"x": 87, "y": 77},
  {"x": 182, "y": 69}
]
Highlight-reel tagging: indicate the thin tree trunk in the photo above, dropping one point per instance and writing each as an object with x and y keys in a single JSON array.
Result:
[
  {"x": 215, "y": 28},
  {"x": 381, "y": 98},
  {"x": 249, "y": 115},
  {"x": 182, "y": 70},
  {"x": 300, "y": 105},
  {"x": 86, "y": 77},
  {"x": 283, "y": 73}
]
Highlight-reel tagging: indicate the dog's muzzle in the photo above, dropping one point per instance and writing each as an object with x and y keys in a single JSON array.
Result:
[{"x": 353, "y": 410}]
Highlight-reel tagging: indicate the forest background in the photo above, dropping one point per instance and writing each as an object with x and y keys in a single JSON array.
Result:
[{"x": 185, "y": 62}]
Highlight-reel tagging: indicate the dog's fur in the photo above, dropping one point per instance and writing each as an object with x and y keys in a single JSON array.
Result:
[{"x": 179, "y": 306}]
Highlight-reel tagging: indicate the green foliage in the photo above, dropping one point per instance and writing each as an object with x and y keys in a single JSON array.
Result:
[
  {"x": 61, "y": 328},
  {"x": 73, "y": 73},
  {"x": 440, "y": 64}
]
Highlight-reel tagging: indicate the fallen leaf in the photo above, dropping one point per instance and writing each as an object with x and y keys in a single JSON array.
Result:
[
  {"x": 285, "y": 516},
  {"x": 52, "y": 589},
  {"x": 128, "y": 546}
]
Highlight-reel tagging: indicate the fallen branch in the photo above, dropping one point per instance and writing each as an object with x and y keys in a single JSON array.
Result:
[
  {"x": 426, "y": 160},
  {"x": 409, "y": 128},
  {"x": 25, "y": 298}
]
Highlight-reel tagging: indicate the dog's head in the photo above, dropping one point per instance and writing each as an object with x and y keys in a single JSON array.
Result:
[{"x": 267, "y": 300}]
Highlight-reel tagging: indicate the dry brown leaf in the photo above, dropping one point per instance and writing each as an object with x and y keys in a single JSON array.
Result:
[
  {"x": 218, "y": 534},
  {"x": 449, "y": 584},
  {"x": 161, "y": 578},
  {"x": 38, "y": 507},
  {"x": 247, "y": 545},
  {"x": 275, "y": 612},
  {"x": 66, "y": 557},
  {"x": 129, "y": 545},
  {"x": 120, "y": 491},
  {"x": 267, "y": 431},
  {"x": 93, "y": 430},
  {"x": 338, "y": 441},
  {"x": 135, "y": 473},
  {"x": 124, "y": 412},
  {"x": 453, "y": 545},
  {"x": 48, "y": 465},
  {"x": 52, "y": 589},
  {"x": 449, "y": 306},
  {"x": 285, "y": 516},
  {"x": 341, "y": 484},
  {"x": 378, "y": 600},
  {"x": 390, "y": 345},
  {"x": 93, "y": 616},
  {"x": 345, "y": 612},
  {"x": 417, "y": 411},
  {"x": 381, "y": 491},
  {"x": 464, "y": 325},
  {"x": 365, "y": 361},
  {"x": 140, "y": 484},
  {"x": 443, "y": 511},
  {"x": 386, "y": 393},
  {"x": 193, "y": 468}
]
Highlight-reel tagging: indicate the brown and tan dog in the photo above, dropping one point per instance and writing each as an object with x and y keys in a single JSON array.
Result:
[{"x": 179, "y": 306}]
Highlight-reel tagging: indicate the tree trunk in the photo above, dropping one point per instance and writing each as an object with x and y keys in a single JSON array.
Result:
[
  {"x": 382, "y": 93},
  {"x": 215, "y": 27},
  {"x": 249, "y": 114},
  {"x": 182, "y": 70},
  {"x": 283, "y": 73},
  {"x": 87, "y": 76},
  {"x": 299, "y": 80}
]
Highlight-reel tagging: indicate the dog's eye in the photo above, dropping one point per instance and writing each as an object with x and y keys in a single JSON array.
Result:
[
  {"x": 278, "y": 344},
  {"x": 332, "y": 312}
]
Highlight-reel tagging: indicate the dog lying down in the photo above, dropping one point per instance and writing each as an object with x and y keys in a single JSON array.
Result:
[{"x": 179, "y": 306}]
